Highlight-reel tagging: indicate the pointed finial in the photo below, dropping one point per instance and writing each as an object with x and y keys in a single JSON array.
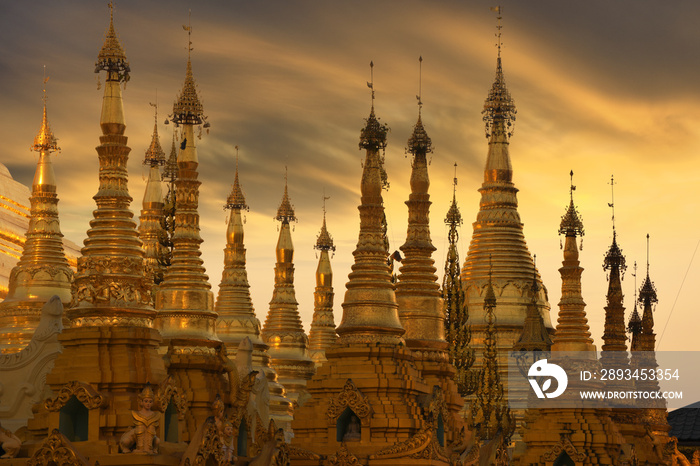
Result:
[
  {"x": 188, "y": 109},
  {"x": 420, "y": 84},
  {"x": 373, "y": 135},
  {"x": 490, "y": 295},
  {"x": 370, "y": 83},
  {"x": 285, "y": 212},
  {"x": 112, "y": 57},
  {"x": 419, "y": 142},
  {"x": 535, "y": 286},
  {"x": 170, "y": 170},
  {"x": 614, "y": 257},
  {"x": 612, "y": 199},
  {"x": 499, "y": 26},
  {"x": 647, "y": 293},
  {"x": 571, "y": 224},
  {"x": 324, "y": 241},
  {"x": 45, "y": 141},
  {"x": 154, "y": 154},
  {"x": 236, "y": 200},
  {"x": 499, "y": 109},
  {"x": 454, "y": 217},
  {"x": 188, "y": 28},
  {"x": 635, "y": 325}
]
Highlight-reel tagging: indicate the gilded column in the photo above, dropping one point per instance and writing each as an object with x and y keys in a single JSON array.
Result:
[
  {"x": 184, "y": 300},
  {"x": 42, "y": 270},
  {"x": 110, "y": 345},
  {"x": 283, "y": 331},
  {"x": 572, "y": 332},
  {"x": 150, "y": 228},
  {"x": 236, "y": 316},
  {"x": 322, "y": 334}
]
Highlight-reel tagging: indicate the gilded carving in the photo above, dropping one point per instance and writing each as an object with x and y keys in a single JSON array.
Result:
[
  {"x": 423, "y": 445},
  {"x": 167, "y": 392},
  {"x": 56, "y": 449},
  {"x": 349, "y": 397},
  {"x": 342, "y": 458},
  {"x": 84, "y": 392},
  {"x": 142, "y": 438},
  {"x": 564, "y": 445}
]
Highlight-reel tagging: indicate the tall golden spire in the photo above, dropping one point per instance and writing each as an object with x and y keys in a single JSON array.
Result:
[
  {"x": 110, "y": 278},
  {"x": 110, "y": 345},
  {"x": 369, "y": 309},
  {"x": 42, "y": 271},
  {"x": 236, "y": 316},
  {"x": 572, "y": 332},
  {"x": 421, "y": 308},
  {"x": 534, "y": 336},
  {"x": 322, "y": 334},
  {"x": 614, "y": 337},
  {"x": 457, "y": 326},
  {"x": 498, "y": 230},
  {"x": 150, "y": 228},
  {"x": 186, "y": 317},
  {"x": 185, "y": 300},
  {"x": 283, "y": 331}
]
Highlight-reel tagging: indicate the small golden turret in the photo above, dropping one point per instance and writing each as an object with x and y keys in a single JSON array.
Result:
[
  {"x": 572, "y": 332},
  {"x": 236, "y": 316},
  {"x": 150, "y": 228},
  {"x": 614, "y": 337},
  {"x": 283, "y": 331},
  {"x": 417, "y": 291},
  {"x": 635, "y": 323},
  {"x": 42, "y": 270},
  {"x": 322, "y": 334},
  {"x": 648, "y": 298},
  {"x": 369, "y": 310}
]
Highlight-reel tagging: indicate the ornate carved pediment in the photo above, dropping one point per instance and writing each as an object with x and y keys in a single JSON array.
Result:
[
  {"x": 84, "y": 392},
  {"x": 57, "y": 449},
  {"x": 169, "y": 391},
  {"x": 300, "y": 453},
  {"x": 564, "y": 445},
  {"x": 210, "y": 447},
  {"x": 342, "y": 458},
  {"x": 423, "y": 445},
  {"x": 349, "y": 397}
]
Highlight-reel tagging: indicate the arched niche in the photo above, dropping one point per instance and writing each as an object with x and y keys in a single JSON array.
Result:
[
  {"x": 73, "y": 420},
  {"x": 348, "y": 430},
  {"x": 170, "y": 423},
  {"x": 564, "y": 460},
  {"x": 242, "y": 441}
]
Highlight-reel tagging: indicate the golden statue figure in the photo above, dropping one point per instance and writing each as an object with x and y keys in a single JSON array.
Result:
[
  {"x": 142, "y": 437},
  {"x": 227, "y": 442},
  {"x": 353, "y": 433}
]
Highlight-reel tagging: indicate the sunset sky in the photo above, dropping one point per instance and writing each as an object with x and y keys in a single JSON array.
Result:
[{"x": 601, "y": 88}]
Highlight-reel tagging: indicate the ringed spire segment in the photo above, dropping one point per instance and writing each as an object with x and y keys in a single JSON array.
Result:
[
  {"x": 285, "y": 212},
  {"x": 155, "y": 155}
]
